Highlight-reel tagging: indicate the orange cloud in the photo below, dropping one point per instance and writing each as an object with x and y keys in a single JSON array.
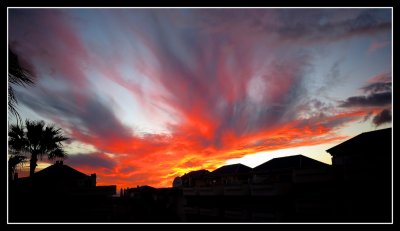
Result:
[
  {"x": 226, "y": 94},
  {"x": 157, "y": 160}
]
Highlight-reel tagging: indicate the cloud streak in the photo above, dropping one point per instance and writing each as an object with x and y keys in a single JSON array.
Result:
[
  {"x": 383, "y": 117},
  {"x": 372, "y": 100},
  {"x": 92, "y": 160},
  {"x": 221, "y": 83},
  {"x": 378, "y": 98},
  {"x": 378, "y": 90}
]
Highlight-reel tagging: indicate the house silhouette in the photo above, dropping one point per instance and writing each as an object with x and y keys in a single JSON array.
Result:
[
  {"x": 289, "y": 162},
  {"x": 61, "y": 176},
  {"x": 63, "y": 179},
  {"x": 59, "y": 193},
  {"x": 368, "y": 150},
  {"x": 363, "y": 172},
  {"x": 355, "y": 188}
]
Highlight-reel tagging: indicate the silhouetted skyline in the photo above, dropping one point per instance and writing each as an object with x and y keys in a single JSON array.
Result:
[
  {"x": 286, "y": 189},
  {"x": 147, "y": 95}
]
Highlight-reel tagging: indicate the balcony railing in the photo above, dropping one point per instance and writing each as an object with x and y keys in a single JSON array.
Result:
[
  {"x": 210, "y": 191},
  {"x": 236, "y": 214},
  {"x": 273, "y": 189},
  {"x": 189, "y": 191},
  {"x": 211, "y": 212},
  {"x": 312, "y": 175},
  {"x": 263, "y": 216},
  {"x": 236, "y": 190},
  {"x": 190, "y": 210}
]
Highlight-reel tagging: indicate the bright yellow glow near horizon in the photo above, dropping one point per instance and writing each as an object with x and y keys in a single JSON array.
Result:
[{"x": 315, "y": 152}]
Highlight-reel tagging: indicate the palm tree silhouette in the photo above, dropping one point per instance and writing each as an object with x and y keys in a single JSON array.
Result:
[
  {"x": 16, "y": 149},
  {"x": 37, "y": 140},
  {"x": 13, "y": 162},
  {"x": 17, "y": 75}
]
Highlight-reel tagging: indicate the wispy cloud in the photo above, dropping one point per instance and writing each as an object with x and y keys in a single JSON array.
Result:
[
  {"x": 378, "y": 99},
  {"x": 224, "y": 83},
  {"x": 377, "y": 45},
  {"x": 385, "y": 116},
  {"x": 91, "y": 161},
  {"x": 378, "y": 90},
  {"x": 372, "y": 100}
]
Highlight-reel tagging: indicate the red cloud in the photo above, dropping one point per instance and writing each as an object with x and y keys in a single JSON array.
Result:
[
  {"x": 201, "y": 78},
  {"x": 377, "y": 45},
  {"x": 156, "y": 160}
]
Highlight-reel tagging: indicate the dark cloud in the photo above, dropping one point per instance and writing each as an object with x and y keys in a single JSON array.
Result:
[
  {"x": 127, "y": 169},
  {"x": 101, "y": 120},
  {"x": 372, "y": 100},
  {"x": 224, "y": 89},
  {"x": 335, "y": 123},
  {"x": 91, "y": 160},
  {"x": 317, "y": 26},
  {"x": 201, "y": 70},
  {"x": 302, "y": 26},
  {"x": 377, "y": 87},
  {"x": 379, "y": 90},
  {"x": 95, "y": 117},
  {"x": 384, "y": 116}
]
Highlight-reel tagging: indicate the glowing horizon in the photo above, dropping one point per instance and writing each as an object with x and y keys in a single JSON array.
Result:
[{"x": 149, "y": 94}]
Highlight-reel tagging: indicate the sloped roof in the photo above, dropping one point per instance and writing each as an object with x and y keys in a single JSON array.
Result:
[
  {"x": 60, "y": 171},
  {"x": 289, "y": 162},
  {"x": 142, "y": 188},
  {"x": 196, "y": 174},
  {"x": 146, "y": 187},
  {"x": 231, "y": 169},
  {"x": 367, "y": 143}
]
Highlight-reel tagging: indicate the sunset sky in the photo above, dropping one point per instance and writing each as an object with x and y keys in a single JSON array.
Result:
[{"x": 150, "y": 94}]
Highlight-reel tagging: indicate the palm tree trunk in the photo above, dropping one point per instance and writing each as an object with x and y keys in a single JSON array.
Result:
[{"x": 32, "y": 165}]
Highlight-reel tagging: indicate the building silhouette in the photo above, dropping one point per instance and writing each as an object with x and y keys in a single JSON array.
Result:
[
  {"x": 265, "y": 193},
  {"x": 149, "y": 204},
  {"x": 357, "y": 187},
  {"x": 363, "y": 167},
  {"x": 59, "y": 193}
]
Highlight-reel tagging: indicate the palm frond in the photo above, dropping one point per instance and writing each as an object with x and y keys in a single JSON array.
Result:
[
  {"x": 17, "y": 75},
  {"x": 57, "y": 154},
  {"x": 12, "y": 103},
  {"x": 17, "y": 141},
  {"x": 15, "y": 161}
]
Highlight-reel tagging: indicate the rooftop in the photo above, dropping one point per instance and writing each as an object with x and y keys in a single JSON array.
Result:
[
  {"x": 371, "y": 141},
  {"x": 232, "y": 169},
  {"x": 60, "y": 171},
  {"x": 289, "y": 162}
]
